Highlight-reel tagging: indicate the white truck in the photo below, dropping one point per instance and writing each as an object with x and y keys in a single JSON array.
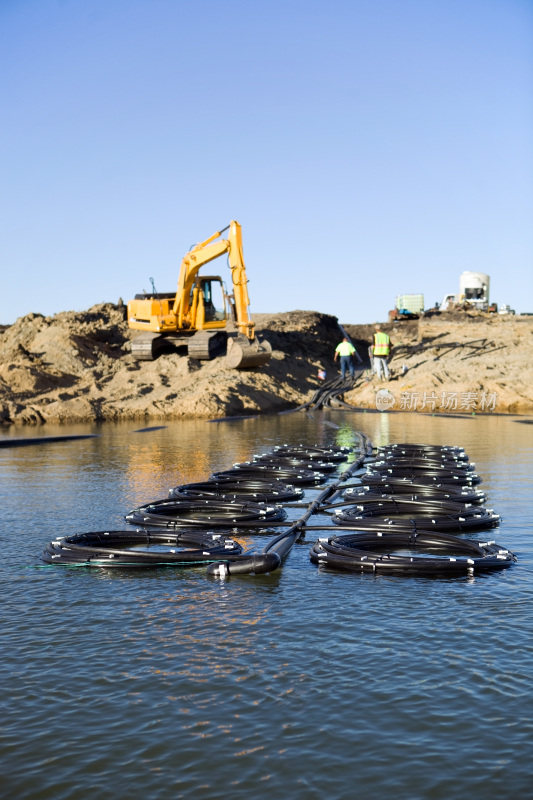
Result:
[{"x": 473, "y": 289}]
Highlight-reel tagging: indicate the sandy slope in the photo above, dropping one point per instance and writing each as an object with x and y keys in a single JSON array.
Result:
[
  {"x": 460, "y": 363},
  {"x": 76, "y": 367}
]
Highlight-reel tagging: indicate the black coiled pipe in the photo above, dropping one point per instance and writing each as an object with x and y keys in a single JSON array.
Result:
[
  {"x": 298, "y": 477},
  {"x": 381, "y": 484},
  {"x": 238, "y": 491},
  {"x": 390, "y": 513},
  {"x": 278, "y": 548},
  {"x": 444, "y": 554},
  {"x": 205, "y": 513},
  {"x": 115, "y": 549},
  {"x": 292, "y": 462},
  {"x": 461, "y": 478},
  {"x": 405, "y": 448},
  {"x": 322, "y": 453}
]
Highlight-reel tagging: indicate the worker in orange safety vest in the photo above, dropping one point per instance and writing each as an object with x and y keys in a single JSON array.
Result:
[{"x": 381, "y": 348}]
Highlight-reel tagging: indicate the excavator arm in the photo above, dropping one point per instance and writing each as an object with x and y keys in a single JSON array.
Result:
[
  {"x": 183, "y": 307},
  {"x": 202, "y": 254},
  {"x": 240, "y": 282}
]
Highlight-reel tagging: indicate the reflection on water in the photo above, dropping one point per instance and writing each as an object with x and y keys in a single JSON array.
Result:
[
  {"x": 382, "y": 430},
  {"x": 299, "y": 684},
  {"x": 346, "y": 436}
]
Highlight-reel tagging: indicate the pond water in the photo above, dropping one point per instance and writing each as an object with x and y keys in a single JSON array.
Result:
[{"x": 304, "y": 683}]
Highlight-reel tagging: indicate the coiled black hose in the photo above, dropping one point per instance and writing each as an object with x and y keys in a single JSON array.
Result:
[
  {"x": 279, "y": 547},
  {"x": 403, "y": 448},
  {"x": 440, "y": 462},
  {"x": 383, "y": 484},
  {"x": 235, "y": 491},
  {"x": 205, "y": 513},
  {"x": 431, "y": 451},
  {"x": 298, "y": 477},
  {"x": 415, "y": 473},
  {"x": 360, "y": 494},
  {"x": 424, "y": 464},
  {"x": 377, "y": 553},
  {"x": 383, "y": 522},
  {"x": 398, "y": 514},
  {"x": 114, "y": 549},
  {"x": 430, "y": 457},
  {"x": 123, "y": 548},
  {"x": 292, "y": 462},
  {"x": 302, "y": 451},
  {"x": 401, "y": 504}
]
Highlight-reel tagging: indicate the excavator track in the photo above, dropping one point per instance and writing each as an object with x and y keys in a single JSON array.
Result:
[
  {"x": 205, "y": 345},
  {"x": 144, "y": 346},
  {"x": 202, "y": 345}
]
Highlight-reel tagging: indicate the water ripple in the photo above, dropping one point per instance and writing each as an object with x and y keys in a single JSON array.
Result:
[{"x": 304, "y": 684}]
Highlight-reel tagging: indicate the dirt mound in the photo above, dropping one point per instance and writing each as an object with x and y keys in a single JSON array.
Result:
[
  {"x": 77, "y": 367},
  {"x": 454, "y": 363}
]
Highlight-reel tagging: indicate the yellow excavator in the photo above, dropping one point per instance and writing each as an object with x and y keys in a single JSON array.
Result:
[{"x": 201, "y": 318}]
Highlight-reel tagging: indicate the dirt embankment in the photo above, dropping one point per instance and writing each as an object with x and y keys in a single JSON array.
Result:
[
  {"x": 77, "y": 367},
  {"x": 455, "y": 363}
]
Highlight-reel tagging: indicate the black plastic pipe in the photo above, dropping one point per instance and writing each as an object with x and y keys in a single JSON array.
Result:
[{"x": 278, "y": 548}]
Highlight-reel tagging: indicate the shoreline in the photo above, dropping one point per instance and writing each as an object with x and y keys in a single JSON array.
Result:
[{"x": 76, "y": 367}]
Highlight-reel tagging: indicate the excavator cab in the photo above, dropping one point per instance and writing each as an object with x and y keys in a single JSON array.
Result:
[
  {"x": 211, "y": 300},
  {"x": 206, "y": 306}
]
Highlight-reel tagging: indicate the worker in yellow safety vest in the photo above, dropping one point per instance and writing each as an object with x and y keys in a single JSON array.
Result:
[
  {"x": 346, "y": 351},
  {"x": 381, "y": 348}
]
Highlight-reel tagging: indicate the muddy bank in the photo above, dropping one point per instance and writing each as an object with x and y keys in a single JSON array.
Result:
[
  {"x": 77, "y": 367},
  {"x": 454, "y": 363}
]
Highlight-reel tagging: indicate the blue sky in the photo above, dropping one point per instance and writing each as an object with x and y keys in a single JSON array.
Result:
[{"x": 369, "y": 148}]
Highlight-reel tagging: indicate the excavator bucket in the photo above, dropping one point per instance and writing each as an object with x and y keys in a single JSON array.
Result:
[{"x": 245, "y": 354}]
